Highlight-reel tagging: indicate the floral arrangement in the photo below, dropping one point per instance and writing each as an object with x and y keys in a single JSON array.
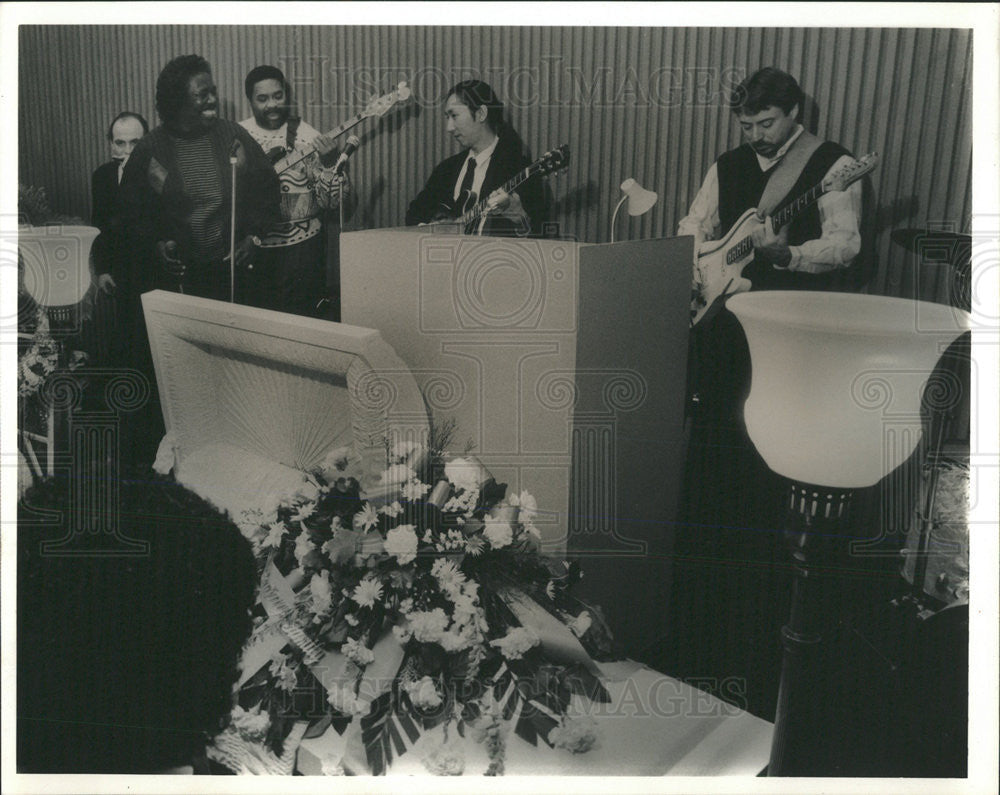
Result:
[
  {"x": 422, "y": 602},
  {"x": 40, "y": 355},
  {"x": 39, "y": 360}
]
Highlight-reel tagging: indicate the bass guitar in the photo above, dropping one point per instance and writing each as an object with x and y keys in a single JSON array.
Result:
[
  {"x": 465, "y": 212},
  {"x": 378, "y": 106},
  {"x": 718, "y": 272}
]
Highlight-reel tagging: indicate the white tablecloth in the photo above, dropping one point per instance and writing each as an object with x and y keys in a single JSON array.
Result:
[{"x": 654, "y": 725}]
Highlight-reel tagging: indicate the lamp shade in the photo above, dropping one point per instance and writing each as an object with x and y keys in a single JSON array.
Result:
[
  {"x": 640, "y": 200},
  {"x": 56, "y": 261},
  {"x": 837, "y": 380}
]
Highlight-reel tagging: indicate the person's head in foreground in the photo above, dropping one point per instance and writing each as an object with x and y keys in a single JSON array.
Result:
[{"x": 126, "y": 662}]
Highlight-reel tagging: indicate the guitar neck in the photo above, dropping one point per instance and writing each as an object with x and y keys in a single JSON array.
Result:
[
  {"x": 474, "y": 213},
  {"x": 291, "y": 159},
  {"x": 783, "y": 216},
  {"x": 792, "y": 209}
]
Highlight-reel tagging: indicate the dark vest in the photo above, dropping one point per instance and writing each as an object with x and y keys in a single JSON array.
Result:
[{"x": 741, "y": 183}]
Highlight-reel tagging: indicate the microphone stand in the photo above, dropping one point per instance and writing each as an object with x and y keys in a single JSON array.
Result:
[{"x": 233, "y": 159}]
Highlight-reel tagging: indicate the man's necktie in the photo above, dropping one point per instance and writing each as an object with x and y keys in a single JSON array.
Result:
[{"x": 466, "y": 190}]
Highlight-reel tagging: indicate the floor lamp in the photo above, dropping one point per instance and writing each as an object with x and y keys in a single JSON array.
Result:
[{"x": 834, "y": 406}]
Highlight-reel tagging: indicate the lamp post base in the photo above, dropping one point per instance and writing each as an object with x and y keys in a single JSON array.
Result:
[{"x": 813, "y": 537}]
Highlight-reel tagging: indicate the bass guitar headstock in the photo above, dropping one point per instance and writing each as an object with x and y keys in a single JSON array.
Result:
[
  {"x": 379, "y": 106},
  {"x": 851, "y": 172}
]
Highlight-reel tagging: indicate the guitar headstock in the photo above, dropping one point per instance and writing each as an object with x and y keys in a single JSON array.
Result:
[
  {"x": 850, "y": 172},
  {"x": 553, "y": 161},
  {"x": 379, "y": 106}
]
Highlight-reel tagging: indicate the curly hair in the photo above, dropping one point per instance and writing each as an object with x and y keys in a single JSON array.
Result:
[
  {"x": 475, "y": 94},
  {"x": 172, "y": 84},
  {"x": 767, "y": 88},
  {"x": 126, "y": 662}
]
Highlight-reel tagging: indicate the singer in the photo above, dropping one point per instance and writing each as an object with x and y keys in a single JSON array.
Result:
[
  {"x": 492, "y": 154},
  {"x": 176, "y": 188},
  {"x": 290, "y": 269}
]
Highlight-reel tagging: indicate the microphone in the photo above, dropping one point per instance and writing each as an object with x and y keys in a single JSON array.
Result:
[
  {"x": 352, "y": 146},
  {"x": 233, "y": 150}
]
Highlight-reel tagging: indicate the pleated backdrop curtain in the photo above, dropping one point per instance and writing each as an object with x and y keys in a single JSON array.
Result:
[{"x": 630, "y": 102}]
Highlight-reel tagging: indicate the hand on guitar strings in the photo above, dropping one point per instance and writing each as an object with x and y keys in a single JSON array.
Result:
[
  {"x": 328, "y": 150},
  {"x": 506, "y": 204},
  {"x": 770, "y": 245}
]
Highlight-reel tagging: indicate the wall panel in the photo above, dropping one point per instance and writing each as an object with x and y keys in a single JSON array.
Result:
[{"x": 635, "y": 102}]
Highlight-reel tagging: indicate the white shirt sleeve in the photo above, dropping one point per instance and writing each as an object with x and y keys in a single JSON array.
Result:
[
  {"x": 702, "y": 219},
  {"x": 840, "y": 242}
]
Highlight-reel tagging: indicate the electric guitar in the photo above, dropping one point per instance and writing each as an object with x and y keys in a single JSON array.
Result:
[
  {"x": 378, "y": 106},
  {"x": 718, "y": 273},
  {"x": 464, "y": 215}
]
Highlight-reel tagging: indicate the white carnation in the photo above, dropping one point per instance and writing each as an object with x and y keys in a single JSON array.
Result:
[
  {"x": 423, "y": 693},
  {"x": 428, "y": 626},
  {"x": 357, "y": 652},
  {"x": 401, "y": 543},
  {"x": 516, "y": 642},
  {"x": 498, "y": 532},
  {"x": 464, "y": 473}
]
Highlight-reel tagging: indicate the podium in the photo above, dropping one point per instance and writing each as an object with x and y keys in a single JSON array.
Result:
[{"x": 563, "y": 367}]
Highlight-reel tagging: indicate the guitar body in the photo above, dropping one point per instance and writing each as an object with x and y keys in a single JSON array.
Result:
[
  {"x": 475, "y": 218},
  {"x": 719, "y": 269},
  {"x": 452, "y": 211}
]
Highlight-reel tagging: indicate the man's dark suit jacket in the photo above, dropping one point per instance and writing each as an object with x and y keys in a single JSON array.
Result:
[
  {"x": 104, "y": 196},
  {"x": 507, "y": 160}
]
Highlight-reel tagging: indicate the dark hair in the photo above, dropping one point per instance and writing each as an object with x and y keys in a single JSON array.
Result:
[
  {"x": 126, "y": 662},
  {"x": 264, "y": 72},
  {"x": 475, "y": 94},
  {"x": 766, "y": 88},
  {"x": 127, "y": 114},
  {"x": 172, "y": 84}
]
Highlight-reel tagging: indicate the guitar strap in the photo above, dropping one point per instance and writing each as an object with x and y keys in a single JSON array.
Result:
[
  {"x": 292, "y": 131},
  {"x": 787, "y": 172}
]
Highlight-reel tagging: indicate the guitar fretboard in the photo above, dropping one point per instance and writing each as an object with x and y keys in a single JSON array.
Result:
[
  {"x": 474, "y": 213},
  {"x": 780, "y": 218}
]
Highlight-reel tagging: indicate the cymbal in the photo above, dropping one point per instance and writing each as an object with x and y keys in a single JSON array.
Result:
[{"x": 916, "y": 239}]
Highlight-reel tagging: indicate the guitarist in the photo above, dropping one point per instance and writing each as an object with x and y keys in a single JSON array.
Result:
[
  {"x": 492, "y": 154},
  {"x": 733, "y": 506},
  {"x": 290, "y": 273},
  {"x": 818, "y": 249}
]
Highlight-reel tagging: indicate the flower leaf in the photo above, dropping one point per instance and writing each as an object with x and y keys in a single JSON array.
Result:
[{"x": 375, "y": 735}]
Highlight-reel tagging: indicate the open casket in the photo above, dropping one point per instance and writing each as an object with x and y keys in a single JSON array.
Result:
[{"x": 253, "y": 398}]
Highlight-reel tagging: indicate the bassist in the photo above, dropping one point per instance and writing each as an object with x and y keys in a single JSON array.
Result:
[
  {"x": 820, "y": 248},
  {"x": 291, "y": 272},
  {"x": 492, "y": 154}
]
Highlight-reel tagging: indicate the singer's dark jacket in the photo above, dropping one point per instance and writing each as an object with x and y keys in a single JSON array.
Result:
[
  {"x": 155, "y": 205},
  {"x": 507, "y": 161}
]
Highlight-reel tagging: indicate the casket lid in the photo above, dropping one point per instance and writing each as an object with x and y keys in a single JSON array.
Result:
[{"x": 252, "y": 398}]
